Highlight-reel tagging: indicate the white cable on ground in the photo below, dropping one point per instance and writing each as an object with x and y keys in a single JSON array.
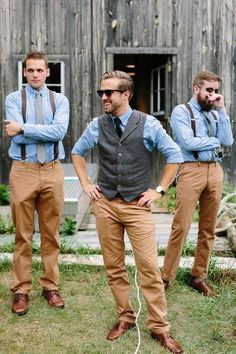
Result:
[{"x": 138, "y": 313}]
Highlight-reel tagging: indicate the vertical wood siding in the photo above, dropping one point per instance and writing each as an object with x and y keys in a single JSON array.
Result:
[{"x": 203, "y": 31}]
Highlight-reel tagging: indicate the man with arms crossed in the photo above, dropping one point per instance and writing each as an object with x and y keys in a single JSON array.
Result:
[
  {"x": 199, "y": 128},
  {"x": 122, "y": 196},
  {"x": 36, "y": 178}
]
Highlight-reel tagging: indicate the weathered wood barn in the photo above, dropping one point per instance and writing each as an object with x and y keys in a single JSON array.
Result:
[{"x": 161, "y": 43}]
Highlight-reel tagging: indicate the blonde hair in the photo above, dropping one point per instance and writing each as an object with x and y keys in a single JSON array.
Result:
[{"x": 126, "y": 82}]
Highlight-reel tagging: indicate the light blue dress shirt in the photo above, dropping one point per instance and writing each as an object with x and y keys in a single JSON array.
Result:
[
  {"x": 202, "y": 143},
  {"x": 154, "y": 136},
  {"x": 53, "y": 129}
]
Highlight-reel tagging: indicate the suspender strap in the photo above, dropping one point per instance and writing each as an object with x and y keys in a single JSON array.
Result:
[
  {"x": 52, "y": 103},
  {"x": 23, "y": 98},
  {"x": 193, "y": 125}
]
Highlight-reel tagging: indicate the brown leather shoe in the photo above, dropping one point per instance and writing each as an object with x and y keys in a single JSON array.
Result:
[
  {"x": 20, "y": 304},
  {"x": 202, "y": 287},
  {"x": 167, "y": 341},
  {"x": 119, "y": 329},
  {"x": 54, "y": 298}
]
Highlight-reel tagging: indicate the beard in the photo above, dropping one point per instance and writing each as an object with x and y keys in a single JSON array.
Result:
[
  {"x": 110, "y": 106},
  {"x": 204, "y": 103}
]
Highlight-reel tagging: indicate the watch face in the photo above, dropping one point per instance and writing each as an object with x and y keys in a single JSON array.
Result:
[{"x": 159, "y": 189}]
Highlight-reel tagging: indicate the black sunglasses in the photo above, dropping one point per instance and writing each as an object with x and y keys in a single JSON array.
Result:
[
  {"x": 107, "y": 93},
  {"x": 210, "y": 90}
]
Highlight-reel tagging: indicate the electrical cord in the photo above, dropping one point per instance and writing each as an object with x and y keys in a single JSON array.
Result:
[{"x": 138, "y": 313}]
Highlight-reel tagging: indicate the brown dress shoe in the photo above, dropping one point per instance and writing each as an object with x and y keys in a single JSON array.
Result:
[
  {"x": 119, "y": 329},
  {"x": 167, "y": 341},
  {"x": 202, "y": 287},
  {"x": 54, "y": 298},
  {"x": 20, "y": 304}
]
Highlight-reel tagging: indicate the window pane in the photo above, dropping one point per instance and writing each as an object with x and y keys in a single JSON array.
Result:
[
  {"x": 162, "y": 78},
  {"x": 54, "y": 88},
  {"x": 158, "y": 91},
  {"x": 55, "y": 73},
  {"x": 154, "y": 80},
  {"x": 162, "y": 100},
  {"x": 154, "y": 107}
]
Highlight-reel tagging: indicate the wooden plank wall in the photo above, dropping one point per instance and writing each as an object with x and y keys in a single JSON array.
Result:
[{"x": 203, "y": 31}]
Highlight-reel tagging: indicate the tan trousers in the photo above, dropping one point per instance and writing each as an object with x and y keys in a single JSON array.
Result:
[
  {"x": 33, "y": 186},
  {"x": 201, "y": 183},
  {"x": 112, "y": 219}
]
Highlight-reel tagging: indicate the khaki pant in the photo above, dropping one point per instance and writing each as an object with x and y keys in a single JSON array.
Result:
[
  {"x": 34, "y": 186},
  {"x": 201, "y": 183},
  {"x": 112, "y": 219}
]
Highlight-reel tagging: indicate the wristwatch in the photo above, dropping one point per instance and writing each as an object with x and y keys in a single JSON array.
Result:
[
  {"x": 159, "y": 189},
  {"x": 21, "y": 129}
]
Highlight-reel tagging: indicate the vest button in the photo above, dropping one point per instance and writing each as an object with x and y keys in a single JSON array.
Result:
[{"x": 120, "y": 154}]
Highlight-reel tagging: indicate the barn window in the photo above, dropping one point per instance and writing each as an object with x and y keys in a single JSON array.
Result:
[
  {"x": 158, "y": 91},
  {"x": 56, "y": 80}
]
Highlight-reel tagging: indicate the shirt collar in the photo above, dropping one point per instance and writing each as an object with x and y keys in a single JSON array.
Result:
[
  {"x": 124, "y": 117},
  {"x": 32, "y": 91},
  {"x": 195, "y": 104}
]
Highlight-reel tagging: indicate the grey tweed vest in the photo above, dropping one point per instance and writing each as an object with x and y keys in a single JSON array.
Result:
[{"x": 124, "y": 163}]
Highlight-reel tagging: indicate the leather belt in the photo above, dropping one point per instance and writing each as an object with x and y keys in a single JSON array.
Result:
[{"x": 200, "y": 162}]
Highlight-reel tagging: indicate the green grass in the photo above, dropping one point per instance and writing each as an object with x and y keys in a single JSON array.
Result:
[
  {"x": 202, "y": 325},
  {"x": 68, "y": 248}
]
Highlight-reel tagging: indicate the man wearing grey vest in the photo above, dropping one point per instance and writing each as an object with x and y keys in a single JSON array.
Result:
[{"x": 122, "y": 196}]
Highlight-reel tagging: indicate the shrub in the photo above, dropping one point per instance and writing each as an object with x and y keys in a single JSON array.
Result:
[
  {"x": 68, "y": 227},
  {"x": 4, "y": 195}
]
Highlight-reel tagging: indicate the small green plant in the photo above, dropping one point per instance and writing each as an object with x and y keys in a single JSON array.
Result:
[
  {"x": 161, "y": 251},
  {"x": 68, "y": 227},
  {"x": 212, "y": 270},
  {"x": 6, "y": 225},
  {"x": 7, "y": 248},
  {"x": 196, "y": 214},
  {"x": 171, "y": 199},
  {"x": 35, "y": 248},
  {"x": 4, "y": 195},
  {"x": 189, "y": 248}
]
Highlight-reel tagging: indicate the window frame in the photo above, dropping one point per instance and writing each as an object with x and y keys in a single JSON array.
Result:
[{"x": 159, "y": 89}]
